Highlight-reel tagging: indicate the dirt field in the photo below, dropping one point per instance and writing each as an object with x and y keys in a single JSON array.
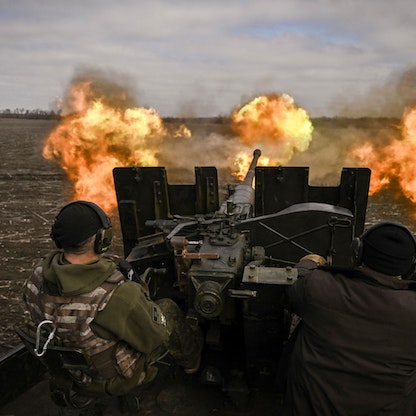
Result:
[{"x": 32, "y": 190}]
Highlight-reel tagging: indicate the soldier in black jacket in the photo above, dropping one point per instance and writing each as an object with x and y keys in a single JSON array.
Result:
[{"x": 355, "y": 351}]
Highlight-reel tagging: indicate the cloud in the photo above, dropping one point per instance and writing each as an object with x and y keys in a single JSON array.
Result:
[{"x": 206, "y": 56}]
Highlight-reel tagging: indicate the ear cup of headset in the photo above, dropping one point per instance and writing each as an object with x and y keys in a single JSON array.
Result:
[
  {"x": 104, "y": 235},
  {"x": 53, "y": 234},
  {"x": 103, "y": 239},
  {"x": 357, "y": 251},
  {"x": 57, "y": 243}
]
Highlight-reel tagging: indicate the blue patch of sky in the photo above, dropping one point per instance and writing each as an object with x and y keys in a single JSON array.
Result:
[
  {"x": 324, "y": 32},
  {"x": 9, "y": 14}
]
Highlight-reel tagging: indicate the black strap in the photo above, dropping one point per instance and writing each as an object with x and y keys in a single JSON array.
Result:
[{"x": 127, "y": 270}]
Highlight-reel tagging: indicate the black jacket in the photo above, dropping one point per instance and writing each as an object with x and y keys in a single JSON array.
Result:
[{"x": 355, "y": 353}]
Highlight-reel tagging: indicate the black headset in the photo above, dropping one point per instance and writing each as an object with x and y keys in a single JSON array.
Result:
[
  {"x": 357, "y": 245},
  {"x": 103, "y": 236}
]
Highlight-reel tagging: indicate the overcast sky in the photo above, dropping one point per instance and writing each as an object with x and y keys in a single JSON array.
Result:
[{"x": 204, "y": 58}]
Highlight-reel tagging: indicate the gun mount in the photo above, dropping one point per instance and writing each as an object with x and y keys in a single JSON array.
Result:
[{"x": 227, "y": 266}]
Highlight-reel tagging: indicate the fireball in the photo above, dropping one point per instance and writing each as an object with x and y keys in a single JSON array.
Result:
[
  {"x": 276, "y": 125},
  {"x": 395, "y": 161},
  {"x": 91, "y": 142}
]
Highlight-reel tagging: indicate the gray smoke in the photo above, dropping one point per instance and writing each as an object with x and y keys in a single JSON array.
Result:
[{"x": 380, "y": 100}]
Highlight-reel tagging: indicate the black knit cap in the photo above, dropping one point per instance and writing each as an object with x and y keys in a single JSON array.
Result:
[
  {"x": 75, "y": 223},
  {"x": 389, "y": 248}
]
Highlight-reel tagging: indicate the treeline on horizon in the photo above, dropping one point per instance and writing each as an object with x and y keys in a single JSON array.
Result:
[
  {"x": 22, "y": 113},
  {"x": 29, "y": 114}
]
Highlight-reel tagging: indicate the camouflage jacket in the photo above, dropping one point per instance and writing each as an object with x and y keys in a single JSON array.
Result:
[{"x": 94, "y": 320}]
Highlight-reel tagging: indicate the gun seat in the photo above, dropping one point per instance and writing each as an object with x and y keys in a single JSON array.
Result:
[{"x": 59, "y": 361}]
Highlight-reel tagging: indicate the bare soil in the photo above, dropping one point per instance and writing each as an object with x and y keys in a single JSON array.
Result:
[{"x": 31, "y": 189}]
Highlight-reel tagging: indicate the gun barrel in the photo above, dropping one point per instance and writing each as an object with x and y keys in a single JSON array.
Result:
[
  {"x": 241, "y": 202},
  {"x": 248, "y": 180}
]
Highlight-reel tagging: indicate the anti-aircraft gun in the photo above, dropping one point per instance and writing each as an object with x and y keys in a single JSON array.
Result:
[{"x": 228, "y": 265}]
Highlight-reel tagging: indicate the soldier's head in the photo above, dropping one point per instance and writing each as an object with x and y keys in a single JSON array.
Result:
[
  {"x": 81, "y": 225},
  {"x": 388, "y": 248}
]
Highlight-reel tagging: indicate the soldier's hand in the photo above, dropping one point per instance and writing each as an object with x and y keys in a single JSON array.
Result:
[{"x": 319, "y": 260}]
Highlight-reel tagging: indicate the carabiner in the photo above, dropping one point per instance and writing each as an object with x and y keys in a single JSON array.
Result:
[{"x": 49, "y": 339}]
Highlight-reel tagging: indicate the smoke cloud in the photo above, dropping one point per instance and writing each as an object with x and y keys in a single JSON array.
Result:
[
  {"x": 380, "y": 100},
  {"x": 98, "y": 85}
]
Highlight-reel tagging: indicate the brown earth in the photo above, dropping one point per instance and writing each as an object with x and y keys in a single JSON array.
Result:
[{"x": 33, "y": 189}]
